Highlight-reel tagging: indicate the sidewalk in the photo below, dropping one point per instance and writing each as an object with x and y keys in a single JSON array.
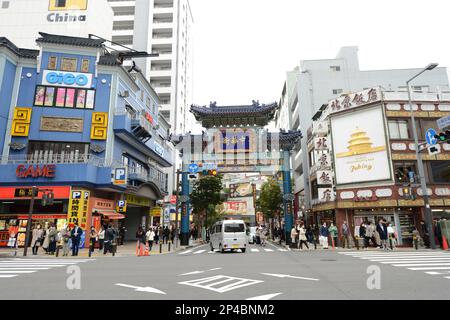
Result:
[{"x": 126, "y": 250}]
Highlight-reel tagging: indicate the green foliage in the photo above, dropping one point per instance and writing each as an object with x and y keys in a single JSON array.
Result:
[
  {"x": 206, "y": 192},
  {"x": 270, "y": 199}
]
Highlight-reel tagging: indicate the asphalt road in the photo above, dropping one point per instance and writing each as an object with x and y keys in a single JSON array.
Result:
[{"x": 267, "y": 273}]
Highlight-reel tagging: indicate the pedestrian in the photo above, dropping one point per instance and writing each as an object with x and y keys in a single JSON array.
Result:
[
  {"x": 363, "y": 235},
  {"x": 101, "y": 238},
  {"x": 333, "y": 230},
  {"x": 122, "y": 232},
  {"x": 370, "y": 234},
  {"x": 438, "y": 232},
  {"x": 424, "y": 234},
  {"x": 150, "y": 235},
  {"x": 65, "y": 237},
  {"x": 37, "y": 238},
  {"x": 109, "y": 238},
  {"x": 263, "y": 236},
  {"x": 93, "y": 237},
  {"x": 391, "y": 236},
  {"x": 416, "y": 238},
  {"x": 161, "y": 234},
  {"x": 345, "y": 231},
  {"x": 310, "y": 236},
  {"x": 383, "y": 232},
  {"x": 258, "y": 235},
  {"x": 294, "y": 234},
  {"x": 166, "y": 234},
  {"x": 141, "y": 240},
  {"x": 52, "y": 238},
  {"x": 45, "y": 241},
  {"x": 324, "y": 236},
  {"x": 302, "y": 237},
  {"x": 75, "y": 235}
]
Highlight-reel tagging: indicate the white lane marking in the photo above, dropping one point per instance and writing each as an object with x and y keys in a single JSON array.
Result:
[
  {"x": 404, "y": 257},
  {"x": 265, "y": 297},
  {"x": 447, "y": 277},
  {"x": 283, "y": 250},
  {"x": 434, "y": 273},
  {"x": 199, "y": 251},
  {"x": 429, "y": 268},
  {"x": 210, "y": 283},
  {"x": 27, "y": 268},
  {"x": 254, "y": 250},
  {"x": 51, "y": 260},
  {"x": 37, "y": 262},
  {"x": 35, "y": 265},
  {"x": 408, "y": 260},
  {"x": 288, "y": 276},
  {"x": 17, "y": 271},
  {"x": 185, "y": 252},
  {"x": 8, "y": 275},
  {"x": 268, "y": 250},
  {"x": 214, "y": 269},
  {"x": 388, "y": 252},
  {"x": 209, "y": 252},
  {"x": 421, "y": 264},
  {"x": 198, "y": 272},
  {"x": 141, "y": 289}
]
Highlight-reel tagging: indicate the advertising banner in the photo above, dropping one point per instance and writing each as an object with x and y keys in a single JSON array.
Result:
[
  {"x": 360, "y": 147},
  {"x": 241, "y": 190},
  {"x": 235, "y": 207},
  {"x": 78, "y": 208}
]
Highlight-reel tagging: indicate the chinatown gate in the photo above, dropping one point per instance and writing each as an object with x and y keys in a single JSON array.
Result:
[{"x": 235, "y": 141}]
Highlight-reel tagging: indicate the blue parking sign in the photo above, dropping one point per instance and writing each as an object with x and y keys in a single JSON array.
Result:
[{"x": 120, "y": 175}]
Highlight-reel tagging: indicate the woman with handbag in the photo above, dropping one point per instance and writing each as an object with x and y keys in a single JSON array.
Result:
[
  {"x": 65, "y": 237},
  {"x": 294, "y": 236},
  {"x": 36, "y": 240},
  {"x": 302, "y": 237},
  {"x": 52, "y": 237}
]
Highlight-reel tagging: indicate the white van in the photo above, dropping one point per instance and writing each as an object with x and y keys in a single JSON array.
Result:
[{"x": 228, "y": 235}]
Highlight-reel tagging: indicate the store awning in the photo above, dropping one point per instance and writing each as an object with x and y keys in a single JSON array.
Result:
[{"x": 112, "y": 215}]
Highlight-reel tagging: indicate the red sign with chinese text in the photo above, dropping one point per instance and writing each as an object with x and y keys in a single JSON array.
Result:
[{"x": 60, "y": 192}]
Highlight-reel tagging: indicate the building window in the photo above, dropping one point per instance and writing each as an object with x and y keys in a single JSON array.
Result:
[
  {"x": 337, "y": 91},
  {"x": 404, "y": 172},
  {"x": 398, "y": 129},
  {"x": 52, "y": 62},
  {"x": 69, "y": 64},
  {"x": 335, "y": 68},
  {"x": 47, "y": 96},
  {"x": 5, "y": 4},
  {"x": 440, "y": 171},
  {"x": 85, "y": 65}
]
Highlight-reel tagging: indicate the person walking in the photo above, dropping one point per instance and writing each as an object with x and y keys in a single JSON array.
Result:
[
  {"x": 345, "y": 232},
  {"x": 166, "y": 234},
  {"x": 161, "y": 234},
  {"x": 93, "y": 237},
  {"x": 416, "y": 238},
  {"x": 424, "y": 234},
  {"x": 363, "y": 235},
  {"x": 370, "y": 234},
  {"x": 122, "y": 232},
  {"x": 324, "y": 236},
  {"x": 109, "y": 238},
  {"x": 46, "y": 241},
  {"x": 141, "y": 239},
  {"x": 263, "y": 236},
  {"x": 101, "y": 238},
  {"x": 150, "y": 235},
  {"x": 65, "y": 237},
  {"x": 75, "y": 235},
  {"x": 52, "y": 239},
  {"x": 302, "y": 237},
  {"x": 294, "y": 237},
  {"x": 36, "y": 239},
  {"x": 310, "y": 236},
  {"x": 333, "y": 230},
  {"x": 382, "y": 231},
  {"x": 391, "y": 236}
]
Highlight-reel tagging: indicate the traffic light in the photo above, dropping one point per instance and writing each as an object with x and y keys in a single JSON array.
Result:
[
  {"x": 212, "y": 172},
  {"x": 443, "y": 136},
  {"x": 48, "y": 199}
]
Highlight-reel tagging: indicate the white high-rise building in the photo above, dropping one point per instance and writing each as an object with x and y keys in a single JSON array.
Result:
[{"x": 315, "y": 82}]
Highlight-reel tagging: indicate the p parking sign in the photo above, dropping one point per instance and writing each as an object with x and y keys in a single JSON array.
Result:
[{"x": 120, "y": 176}]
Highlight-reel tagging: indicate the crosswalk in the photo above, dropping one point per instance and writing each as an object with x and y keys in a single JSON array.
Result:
[
  {"x": 14, "y": 267},
  {"x": 431, "y": 263},
  {"x": 252, "y": 250}
]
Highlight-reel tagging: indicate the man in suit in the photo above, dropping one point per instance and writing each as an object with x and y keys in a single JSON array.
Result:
[
  {"x": 75, "y": 234},
  {"x": 383, "y": 232}
]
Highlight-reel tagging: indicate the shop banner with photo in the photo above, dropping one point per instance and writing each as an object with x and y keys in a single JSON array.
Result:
[{"x": 360, "y": 147}]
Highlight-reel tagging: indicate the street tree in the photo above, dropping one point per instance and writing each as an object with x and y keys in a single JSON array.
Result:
[{"x": 270, "y": 199}]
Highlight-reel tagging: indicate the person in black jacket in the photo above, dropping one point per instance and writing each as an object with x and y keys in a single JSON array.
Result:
[
  {"x": 141, "y": 240},
  {"x": 362, "y": 234},
  {"x": 425, "y": 235},
  {"x": 75, "y": 234},
  {"x": 382, "y": 231}
]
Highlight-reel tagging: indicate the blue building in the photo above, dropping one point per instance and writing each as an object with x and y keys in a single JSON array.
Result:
[{"x": 75, "y": 121}]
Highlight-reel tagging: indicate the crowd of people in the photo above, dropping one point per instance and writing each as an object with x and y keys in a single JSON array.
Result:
[{"x": 155, "y": 235}]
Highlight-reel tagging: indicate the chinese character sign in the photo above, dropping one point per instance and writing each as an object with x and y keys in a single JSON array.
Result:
[
  {"x": 326, "y": 194},
  {"x": 78, "y": 208},
  {"x": 321, "y": 143},
  {"x": 324, "y": 177}
]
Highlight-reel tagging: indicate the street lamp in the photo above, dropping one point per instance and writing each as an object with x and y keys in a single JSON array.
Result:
[{"x": 428, "y": 212}]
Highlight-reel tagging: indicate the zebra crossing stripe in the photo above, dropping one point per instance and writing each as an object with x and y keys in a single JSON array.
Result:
[
  {"x": 8, "y": 275},
  {"x": 185, "y": 252},
  {"x": 421, "y": 264},
  {"x": 282, "y": 250},
  {"x": 268, "y": 250},
  {"x": 17, "y": 271},
  {"x": 433, "y": 273},
  {"x": 429, "y": 268},
  {"x": 254, "y": 250},
  {"x": 211, "y": 283},
  {"x": 199, "y": 251}
]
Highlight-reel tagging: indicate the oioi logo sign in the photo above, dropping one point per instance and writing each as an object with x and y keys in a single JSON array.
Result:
[{"x": 67, "y": 79}]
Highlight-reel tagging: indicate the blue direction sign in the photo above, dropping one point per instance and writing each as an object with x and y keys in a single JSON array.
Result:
[
  {"x": 193, "y": 168},
  {"x": 429, "y": 135}
]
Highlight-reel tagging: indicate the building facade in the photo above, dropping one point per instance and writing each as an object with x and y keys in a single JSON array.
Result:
[
  {"x": 75, "y": 121},
  {"x": 318, "y": 81},
  {"x": 362, "y": 161}
]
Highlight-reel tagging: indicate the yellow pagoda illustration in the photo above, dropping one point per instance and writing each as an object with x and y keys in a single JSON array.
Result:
[{"x": 359, "y": 143}]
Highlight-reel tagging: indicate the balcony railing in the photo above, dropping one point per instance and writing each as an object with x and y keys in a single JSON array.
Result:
[
  {"x": 151, "y": 175},
  {"x": 46, "y": 157}
]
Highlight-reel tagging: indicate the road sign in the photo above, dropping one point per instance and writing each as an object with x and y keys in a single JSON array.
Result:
[
  {"x": 120, "y": 176},
  {"x": 193, "y": 168},
  {"x": 443, "y": 122},
  {"x": 435, "y": 149},
  {"x": 209, "y": 166},
  {"x": 429, "y": 135}
]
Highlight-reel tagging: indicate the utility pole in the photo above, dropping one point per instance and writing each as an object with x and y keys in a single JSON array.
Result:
[
  {"x": 29, "y": 222},
  {"x": 177, "y": 207}
]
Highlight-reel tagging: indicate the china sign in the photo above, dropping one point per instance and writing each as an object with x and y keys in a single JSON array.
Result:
[{"x": 360, "y": 147}]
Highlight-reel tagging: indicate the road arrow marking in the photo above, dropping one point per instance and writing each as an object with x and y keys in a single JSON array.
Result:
[
  {"x": 198, "y": 272},
  {"x": 141, "y": 289},
  {"x": 265, "y": 297},
  {"x": 288, "y": 276}
]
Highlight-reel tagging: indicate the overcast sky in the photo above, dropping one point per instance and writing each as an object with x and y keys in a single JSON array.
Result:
[{"x": 244, "y": 47}]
